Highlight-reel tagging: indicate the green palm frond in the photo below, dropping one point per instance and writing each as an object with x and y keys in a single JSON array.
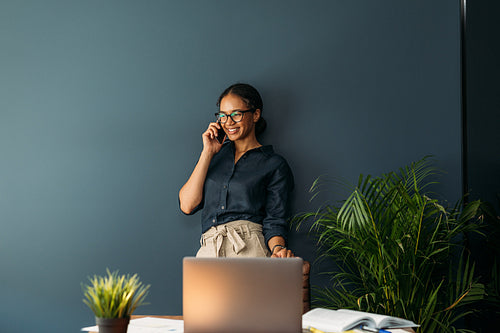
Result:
[{"x": 393, "y": 246}]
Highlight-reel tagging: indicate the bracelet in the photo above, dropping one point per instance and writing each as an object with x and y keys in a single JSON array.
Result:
[{"x": 275, "y": 246}]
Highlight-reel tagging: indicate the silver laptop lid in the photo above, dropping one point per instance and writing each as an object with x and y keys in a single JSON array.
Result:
[{"x": 239, "y": 295}]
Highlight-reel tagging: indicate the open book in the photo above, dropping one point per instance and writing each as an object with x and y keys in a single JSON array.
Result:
[{"x": 342, "y": 320}]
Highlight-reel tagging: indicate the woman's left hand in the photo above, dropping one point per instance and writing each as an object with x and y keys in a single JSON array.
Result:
[{"x": 283, "y": 253}]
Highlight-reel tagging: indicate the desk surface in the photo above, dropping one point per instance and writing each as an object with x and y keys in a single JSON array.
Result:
[
  {"x": 167, "y": 317},
  {"x": 180, "y": 317},
  {"x": 142, "y": 316}
]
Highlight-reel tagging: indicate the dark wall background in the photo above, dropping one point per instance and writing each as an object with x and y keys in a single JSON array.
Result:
[
  {"x": 483, "y": 137},
  {"x": 483, "y": 100},
  {"x": 102, "y": 105}
]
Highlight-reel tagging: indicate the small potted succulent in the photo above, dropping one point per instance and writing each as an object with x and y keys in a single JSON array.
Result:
[{"x": 113, "y": 298}]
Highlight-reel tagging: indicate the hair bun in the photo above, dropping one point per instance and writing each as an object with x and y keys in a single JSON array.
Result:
[{"x": 260, "y": 126}]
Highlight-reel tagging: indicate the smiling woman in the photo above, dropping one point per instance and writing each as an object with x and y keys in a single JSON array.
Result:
[{"x": 242, "y": 186}]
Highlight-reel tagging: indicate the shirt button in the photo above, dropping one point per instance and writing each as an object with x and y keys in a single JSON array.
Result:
[
  {"x": 213, "y": 221},
  {"x": 225, "y": 186},
  {"x": 222, "y": 207}
]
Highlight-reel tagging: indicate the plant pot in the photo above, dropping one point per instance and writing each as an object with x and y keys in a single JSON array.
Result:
[{"x": 112, "y": 325}]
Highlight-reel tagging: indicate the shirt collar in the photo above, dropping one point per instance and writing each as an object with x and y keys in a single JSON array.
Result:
[{"x": 267, "y": 150}]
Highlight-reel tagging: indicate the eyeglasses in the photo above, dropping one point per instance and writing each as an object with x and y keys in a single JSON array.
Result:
[{"x": 236, "y": 116}]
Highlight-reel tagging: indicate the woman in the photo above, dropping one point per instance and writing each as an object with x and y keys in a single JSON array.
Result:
[{"x": 242, "y": 186}]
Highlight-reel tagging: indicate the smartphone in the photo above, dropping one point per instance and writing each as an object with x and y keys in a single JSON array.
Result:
[{"x": 221, "y": 135}]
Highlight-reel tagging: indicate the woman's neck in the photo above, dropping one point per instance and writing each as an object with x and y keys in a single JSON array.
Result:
[{"x": 243, "y": 146}]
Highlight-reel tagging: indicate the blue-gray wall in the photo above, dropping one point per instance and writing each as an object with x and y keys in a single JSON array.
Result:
[{"x": 102, "y": 106}]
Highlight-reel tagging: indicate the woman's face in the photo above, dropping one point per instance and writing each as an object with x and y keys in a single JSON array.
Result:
[{"x": 240, "y": 130}]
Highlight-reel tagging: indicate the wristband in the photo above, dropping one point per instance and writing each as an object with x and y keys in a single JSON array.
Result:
[{"x": 275, "y": 246}]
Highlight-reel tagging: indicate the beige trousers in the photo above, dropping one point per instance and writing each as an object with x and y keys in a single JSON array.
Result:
[{"x": 234, "y": 239}]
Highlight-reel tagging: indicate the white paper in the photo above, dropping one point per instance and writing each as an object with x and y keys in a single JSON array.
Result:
[{"x": 149, "y": 325}]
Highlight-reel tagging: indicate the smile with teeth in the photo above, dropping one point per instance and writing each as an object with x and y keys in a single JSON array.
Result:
[{"x": 232, "y": 130}]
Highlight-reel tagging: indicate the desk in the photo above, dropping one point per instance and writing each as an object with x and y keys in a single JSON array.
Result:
[
  {"x": 166, "y": 317},
  {"x": 142, "y": 316},
  {"x": 409, "y": 330}
]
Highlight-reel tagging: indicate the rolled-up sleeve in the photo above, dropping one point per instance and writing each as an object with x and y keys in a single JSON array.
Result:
[{"x": 278, "y": 202}]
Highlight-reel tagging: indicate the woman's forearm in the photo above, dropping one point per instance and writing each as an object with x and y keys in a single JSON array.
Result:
[
  {"x": 275, "y": 241},
  {"x": 191, "y": 194},
  {"x": 277, "y": 246}
]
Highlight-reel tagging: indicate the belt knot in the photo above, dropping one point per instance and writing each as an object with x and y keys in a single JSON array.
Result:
[{"x": 232, "y": 236}]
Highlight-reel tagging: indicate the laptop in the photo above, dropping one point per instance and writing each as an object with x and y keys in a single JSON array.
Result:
[{"x": 242, "y": 295}]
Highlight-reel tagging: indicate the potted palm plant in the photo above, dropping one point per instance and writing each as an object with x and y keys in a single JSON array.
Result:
[
  {"x": 113, "y": 298},
  {"x": 395, "y": 250}
]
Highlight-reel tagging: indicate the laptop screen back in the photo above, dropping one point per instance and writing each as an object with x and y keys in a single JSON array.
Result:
[{"x": 240, "y": 295}]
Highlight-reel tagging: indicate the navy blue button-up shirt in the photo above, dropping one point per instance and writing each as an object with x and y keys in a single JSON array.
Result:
[{"x": 257, "y": 188}]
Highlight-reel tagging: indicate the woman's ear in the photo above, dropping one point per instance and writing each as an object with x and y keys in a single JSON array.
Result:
[{"x": 256, "y": 115}]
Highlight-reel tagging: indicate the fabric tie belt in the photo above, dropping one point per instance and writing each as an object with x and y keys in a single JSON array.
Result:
[{"x": 230, "y": 231}]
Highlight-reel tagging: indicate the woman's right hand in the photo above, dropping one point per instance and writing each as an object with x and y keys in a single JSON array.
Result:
[
  {"x": 210, "y": 143},
  {"x": 191, "y": 194}
]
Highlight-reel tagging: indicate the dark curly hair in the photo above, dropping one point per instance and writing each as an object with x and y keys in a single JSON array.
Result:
[{"x": 251, "y": 98}]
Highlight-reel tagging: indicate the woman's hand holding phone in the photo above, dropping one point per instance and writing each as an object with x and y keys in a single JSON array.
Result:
[{"x": 213, "y": 138}]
